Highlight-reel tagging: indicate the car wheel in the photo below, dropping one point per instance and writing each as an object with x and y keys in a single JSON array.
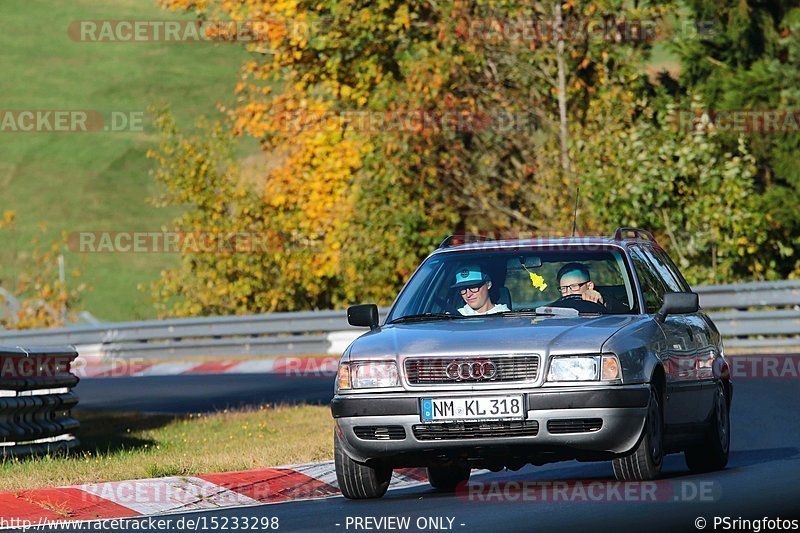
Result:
[
  {"x": 358, "y": 481},
  {"x": 713, "y": 453},
  {"x": 447, "y": 478},
  {"x": 645, "y": 461}
]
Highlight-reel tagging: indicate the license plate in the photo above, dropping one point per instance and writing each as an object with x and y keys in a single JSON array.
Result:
[{"x": 477, "y": 408}]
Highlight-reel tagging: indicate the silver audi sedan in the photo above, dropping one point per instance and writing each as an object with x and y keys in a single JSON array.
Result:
[{"x": 497, "y": 354}]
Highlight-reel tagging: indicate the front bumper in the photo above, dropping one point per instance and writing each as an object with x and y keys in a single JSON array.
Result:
[{"x": 621, "y": 411}]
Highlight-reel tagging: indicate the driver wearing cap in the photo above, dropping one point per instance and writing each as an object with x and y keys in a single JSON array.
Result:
[{"x": 473, "y": 285}]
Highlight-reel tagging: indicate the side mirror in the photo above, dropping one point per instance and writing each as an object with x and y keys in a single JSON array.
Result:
[
  {"x": 678, "y": 303},
  {"x": 363, "y": 315}
]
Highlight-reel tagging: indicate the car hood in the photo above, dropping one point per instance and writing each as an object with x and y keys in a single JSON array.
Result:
[{"x": 491, "y": 335}]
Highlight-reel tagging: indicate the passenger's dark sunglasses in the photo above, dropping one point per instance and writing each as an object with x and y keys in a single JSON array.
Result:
[{"x": 473, "y": 290}]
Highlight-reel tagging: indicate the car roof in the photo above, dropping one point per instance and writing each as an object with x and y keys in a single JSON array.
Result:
[{"x": 622, "y": 238}]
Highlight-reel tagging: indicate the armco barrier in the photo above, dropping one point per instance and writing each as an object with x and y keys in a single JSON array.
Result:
[
  {"x": 738, "y": 310},
  {"x": 750, "y": 295},
  {"x": 36, "y": 399},
  {"x": 308, "y": 332},
  {"x": 739, "y": 313}
]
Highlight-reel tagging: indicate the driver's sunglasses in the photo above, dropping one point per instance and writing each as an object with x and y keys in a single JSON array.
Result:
[
  {"x": 473, "y": 290},
  {"x": 573, "y": 287}
]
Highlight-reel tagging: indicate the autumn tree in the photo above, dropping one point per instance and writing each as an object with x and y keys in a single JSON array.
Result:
[
  {"x": 386, "y": 125},
  {"x": 46, "y": 297}
]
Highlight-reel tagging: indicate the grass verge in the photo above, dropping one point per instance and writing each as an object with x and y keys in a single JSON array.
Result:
[{"x": 120, "y": 446}]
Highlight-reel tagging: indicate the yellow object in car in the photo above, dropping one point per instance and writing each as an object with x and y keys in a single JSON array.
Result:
[{"x": 537, "y": 281}]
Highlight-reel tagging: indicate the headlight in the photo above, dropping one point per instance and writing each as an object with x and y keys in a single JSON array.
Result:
[
  {"x": 584, "y": 368},
  {"x": 574, "y": 368},
  {"x": 367, "y": 375}
]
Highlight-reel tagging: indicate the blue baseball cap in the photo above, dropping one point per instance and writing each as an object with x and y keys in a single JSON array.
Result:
[{"x": 470, "y": 276}]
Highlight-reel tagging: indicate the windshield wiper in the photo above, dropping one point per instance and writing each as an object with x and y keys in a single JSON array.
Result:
[
  {"x": 539, "y": 311},
  {"x": 515, "y": 312},
  {"x": 424, "y": 316}
]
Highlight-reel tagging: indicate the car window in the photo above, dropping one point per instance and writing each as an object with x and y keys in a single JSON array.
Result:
[
  {"x": 521, "y": 279},
  {"x": 667, "y": 260},
  {"x": 419, "y": 292},
  {"x": 653, "y": 288},
  {"x": 657, "y": 261}
]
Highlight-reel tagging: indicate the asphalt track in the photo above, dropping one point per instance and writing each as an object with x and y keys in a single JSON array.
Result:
[
  {"x": 762, "y": 478},
  {"x": 199, "y": 393}
]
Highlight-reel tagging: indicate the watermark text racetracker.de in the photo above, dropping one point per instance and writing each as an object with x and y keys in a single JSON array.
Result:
[
  {"x": 590, "y": 491},
  {"x": 184, "y": 31},
  {"x": 150, "y": 523},
  {"x": 88, "y": 366},
  {"x": 606, "y": 28},
  {"x": 183, "y": 242},
  {"x": 786, "y": 366},
  {"x": 411, "y": 121},
  {"x": 31, "y": 366},
  {"x": 744, "y": 121},
  {"x": 70, "y": 121}
]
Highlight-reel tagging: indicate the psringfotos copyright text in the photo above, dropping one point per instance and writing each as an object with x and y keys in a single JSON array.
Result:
[{"x": 756, "y": 525}]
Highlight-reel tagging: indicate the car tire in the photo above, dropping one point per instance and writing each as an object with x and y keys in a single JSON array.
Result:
[
  {"x": 644, "y": 462},
  {"x": 713, "y": 453},
  {"x": 358, "y": 481},
  {"x": 447, "y": 478}
]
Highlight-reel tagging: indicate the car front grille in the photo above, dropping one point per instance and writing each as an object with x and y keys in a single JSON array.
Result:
[
  {"x": 380, "y": 432},
  {"x": 574, "y": 425},
  {"x": 434, "y": 370},
  {"x": 476, "y": 430}
]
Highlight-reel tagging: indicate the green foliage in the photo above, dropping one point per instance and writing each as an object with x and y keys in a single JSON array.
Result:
[
  {"x": 355, "y": 208},
  {"x": 697, "y": 197},
  {"x": 752, "y": 62},
  {"x": 198, "y": 175}
]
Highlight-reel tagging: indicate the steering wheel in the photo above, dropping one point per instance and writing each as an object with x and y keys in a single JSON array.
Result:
[
  {"x": 575, "y": 301},
  {"x": 447, "y": 306}
]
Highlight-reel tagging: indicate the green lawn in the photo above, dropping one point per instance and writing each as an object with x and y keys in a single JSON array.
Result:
[
  {"x": 123, "y": 446},
  {"x": 96, "y": 181}
]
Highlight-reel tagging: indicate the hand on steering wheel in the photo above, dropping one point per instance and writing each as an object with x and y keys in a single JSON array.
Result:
[
  {"x": 447, "y": 306},
  {"x": 575, "y": 301}
]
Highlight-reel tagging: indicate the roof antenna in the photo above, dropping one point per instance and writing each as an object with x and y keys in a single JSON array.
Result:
[{"x": 575, "y": 213}]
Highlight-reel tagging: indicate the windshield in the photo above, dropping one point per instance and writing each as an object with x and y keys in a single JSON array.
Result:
[{"x": 501, "y": 282}]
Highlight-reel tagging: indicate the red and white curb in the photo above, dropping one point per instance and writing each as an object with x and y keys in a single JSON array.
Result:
[
  {"x": 297, "y": 366},
  {"x": 128, "y": 499},
  {"x": 95, "y": 362}
]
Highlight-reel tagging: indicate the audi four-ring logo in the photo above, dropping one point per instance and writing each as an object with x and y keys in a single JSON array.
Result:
[{"x": 461, "y": 370}]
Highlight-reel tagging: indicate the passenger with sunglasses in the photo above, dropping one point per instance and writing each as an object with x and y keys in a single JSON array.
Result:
[{"x": 474, "y": 285}]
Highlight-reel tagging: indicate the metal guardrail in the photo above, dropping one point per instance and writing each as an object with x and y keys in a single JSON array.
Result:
[
  {"x": 36, "y": 399},
  {"x": 736, "y": 309},
  {"x": 302, "y": 323},
  {"x": 746, "y": 295}
]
